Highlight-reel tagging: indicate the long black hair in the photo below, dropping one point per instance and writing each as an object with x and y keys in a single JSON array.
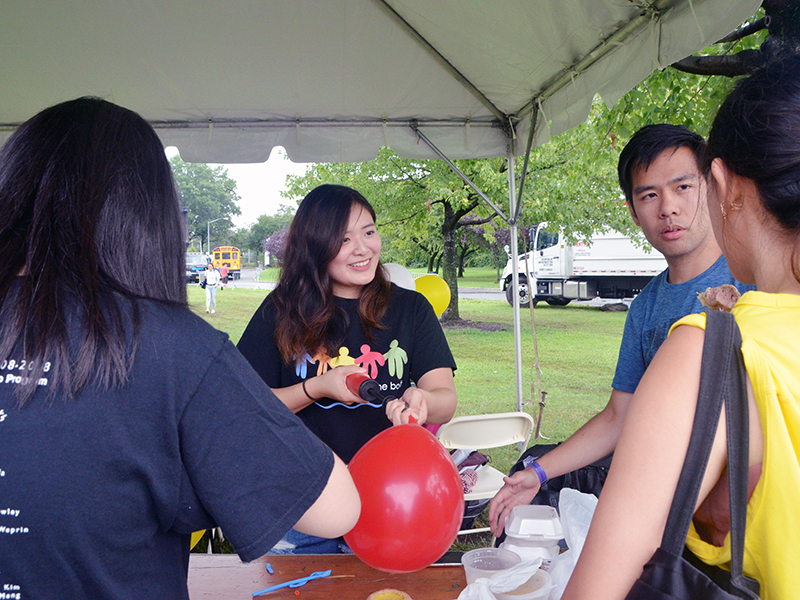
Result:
[
  {"x": 756, "y": 133},
  {"x": 90, "y": 223},
  {"x": 307, "y": 317}
]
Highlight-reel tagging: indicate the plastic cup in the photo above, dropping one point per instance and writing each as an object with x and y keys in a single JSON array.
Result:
[{"x": 486, "y": 562}]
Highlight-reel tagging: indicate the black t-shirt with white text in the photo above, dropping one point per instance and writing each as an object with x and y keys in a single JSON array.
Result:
[{"x": 99, "y": 494}]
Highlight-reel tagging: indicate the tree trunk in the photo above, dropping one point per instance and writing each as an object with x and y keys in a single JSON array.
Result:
[
  {"x": 450, "y": 261},
  {"x": 462, "y": 257}
]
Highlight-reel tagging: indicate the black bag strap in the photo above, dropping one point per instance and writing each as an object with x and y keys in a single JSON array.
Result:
[{"x": 722, "y": 376}]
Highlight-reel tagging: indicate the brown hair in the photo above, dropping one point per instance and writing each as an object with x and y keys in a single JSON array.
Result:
[{"x": 307, "y": 318}]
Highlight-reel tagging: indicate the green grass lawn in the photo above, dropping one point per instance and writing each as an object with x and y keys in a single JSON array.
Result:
[{"x": 578, "y": 348}]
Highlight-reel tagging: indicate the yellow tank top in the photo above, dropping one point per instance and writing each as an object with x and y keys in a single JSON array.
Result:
[{"x": 770, "y": 326}]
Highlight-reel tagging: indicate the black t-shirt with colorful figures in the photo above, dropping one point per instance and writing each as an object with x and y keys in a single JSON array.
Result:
[{"x": 411, "y": 344}]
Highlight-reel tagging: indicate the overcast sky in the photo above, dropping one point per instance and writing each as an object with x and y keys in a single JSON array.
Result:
[{"x": 259, "y": 185}]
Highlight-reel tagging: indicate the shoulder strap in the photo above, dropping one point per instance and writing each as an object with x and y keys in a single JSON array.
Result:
[
  {"x": 737, "y": 414},
  {"x": 722, "y": 376}
]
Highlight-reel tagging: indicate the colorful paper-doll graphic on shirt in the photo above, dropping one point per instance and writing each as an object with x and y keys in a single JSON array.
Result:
[
  {"x": 394, "y": 360},
  {"x": 370, "y": 360}
]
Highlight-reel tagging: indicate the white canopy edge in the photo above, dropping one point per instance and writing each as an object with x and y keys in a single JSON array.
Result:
[{"x": 333, "y": 81}]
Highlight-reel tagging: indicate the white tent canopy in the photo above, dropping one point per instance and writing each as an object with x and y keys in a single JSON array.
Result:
[{"x": 334, "y": 80}]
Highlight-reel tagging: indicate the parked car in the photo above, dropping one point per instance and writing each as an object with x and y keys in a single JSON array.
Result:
[{"x": 195, "y": 265}]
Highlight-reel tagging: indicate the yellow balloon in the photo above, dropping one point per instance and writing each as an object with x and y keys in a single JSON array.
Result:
[
  {"x": 196, "y": 537},
  {"x": 436, "y": 290}
]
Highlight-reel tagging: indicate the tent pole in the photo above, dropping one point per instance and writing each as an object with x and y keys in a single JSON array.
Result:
[
  {"x": 512, "y": 209},
  {"x": 515, "y": 210},
  {"x": 458, "y": 172},
  {"x": 524, "y": 174}
]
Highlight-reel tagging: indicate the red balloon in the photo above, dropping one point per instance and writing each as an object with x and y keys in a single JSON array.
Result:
[{"x": 412, "y": 500}]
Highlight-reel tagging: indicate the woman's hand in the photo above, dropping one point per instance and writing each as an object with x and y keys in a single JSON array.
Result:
[
  {"x": 411, "y": 404},
  {"x": 332, "y": 384},
  {"x": 519, "y": 489}
]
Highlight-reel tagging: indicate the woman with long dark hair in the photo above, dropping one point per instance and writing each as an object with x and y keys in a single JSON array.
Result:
[
  {"x": 752, "y": 162},
  {"x": 116, "y": 439},
  {"x": 333, "y": 314}
]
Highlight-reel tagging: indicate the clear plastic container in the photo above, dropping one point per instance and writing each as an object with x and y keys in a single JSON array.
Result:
[
  {"x": 538, "y": 586},
  {"x": 485, "y": 562}
]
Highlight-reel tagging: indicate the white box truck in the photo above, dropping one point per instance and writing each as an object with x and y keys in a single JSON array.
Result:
[{"x": 609, "y": 266}]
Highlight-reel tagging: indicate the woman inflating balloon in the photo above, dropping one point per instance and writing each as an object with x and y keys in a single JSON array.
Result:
[{"x": 334, "y": 313}]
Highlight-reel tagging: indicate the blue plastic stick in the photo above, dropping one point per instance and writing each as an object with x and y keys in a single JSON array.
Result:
[
  {"x": 269, "y": 569},
  {"x": 294, "y": 583}
]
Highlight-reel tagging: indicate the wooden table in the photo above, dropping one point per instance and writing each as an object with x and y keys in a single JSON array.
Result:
[{"x": 225, "y": 576}]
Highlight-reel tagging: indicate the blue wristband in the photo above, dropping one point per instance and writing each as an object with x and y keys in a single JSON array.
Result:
[{"x": 530, "y": 463}]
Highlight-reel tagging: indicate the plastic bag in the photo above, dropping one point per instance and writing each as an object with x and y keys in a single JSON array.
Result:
[
  {"x": 484, "y": 588},
  {"x": 576, "y": 510}
]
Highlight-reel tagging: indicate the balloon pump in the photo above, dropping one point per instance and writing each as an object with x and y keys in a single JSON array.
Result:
[{"x": 366, "y": 388}]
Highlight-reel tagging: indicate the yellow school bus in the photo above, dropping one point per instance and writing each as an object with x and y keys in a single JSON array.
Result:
[{"x": 228, "y": 255}]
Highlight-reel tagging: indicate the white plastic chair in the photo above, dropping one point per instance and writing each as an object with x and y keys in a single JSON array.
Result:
[{"x": 484, "y": 432}]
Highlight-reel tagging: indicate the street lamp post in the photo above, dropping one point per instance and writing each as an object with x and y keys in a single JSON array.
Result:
[{"x": 208, "y": 234}]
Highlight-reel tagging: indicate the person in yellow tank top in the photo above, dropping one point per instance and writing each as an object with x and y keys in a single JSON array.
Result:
[{"x": 752, "y": 163}]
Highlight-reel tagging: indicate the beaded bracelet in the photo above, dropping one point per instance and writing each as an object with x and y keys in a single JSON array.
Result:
[{"x": 530, "y": 463}]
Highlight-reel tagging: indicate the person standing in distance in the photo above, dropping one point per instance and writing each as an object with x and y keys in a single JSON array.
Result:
[{"x": 212, "y": 281}]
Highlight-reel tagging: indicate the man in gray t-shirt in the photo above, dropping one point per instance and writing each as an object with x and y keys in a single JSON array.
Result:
[{"x": 666, "y": 195}]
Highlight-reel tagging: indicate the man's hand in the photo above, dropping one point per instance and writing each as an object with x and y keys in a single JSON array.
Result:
[{"x": 519, "y": 489}]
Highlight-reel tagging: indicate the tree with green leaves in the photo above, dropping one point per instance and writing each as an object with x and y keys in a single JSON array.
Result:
[
  {"x": 252, "y": 237},
  {"x": 267, "y": 225},
  {"x": 209, "y": 195}
]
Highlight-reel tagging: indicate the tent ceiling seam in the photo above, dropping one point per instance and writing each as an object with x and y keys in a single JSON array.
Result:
[
  {"x": 446, "y": 64},
  {"x": 652, "y": 11},
  {"x": 311, "y": 122}
]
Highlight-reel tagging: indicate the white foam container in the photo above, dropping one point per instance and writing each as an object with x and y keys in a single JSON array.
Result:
[{"x": 533, "y": 531}]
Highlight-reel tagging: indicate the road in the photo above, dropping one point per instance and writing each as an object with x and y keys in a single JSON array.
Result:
[{"x": 247, "y": 282}]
